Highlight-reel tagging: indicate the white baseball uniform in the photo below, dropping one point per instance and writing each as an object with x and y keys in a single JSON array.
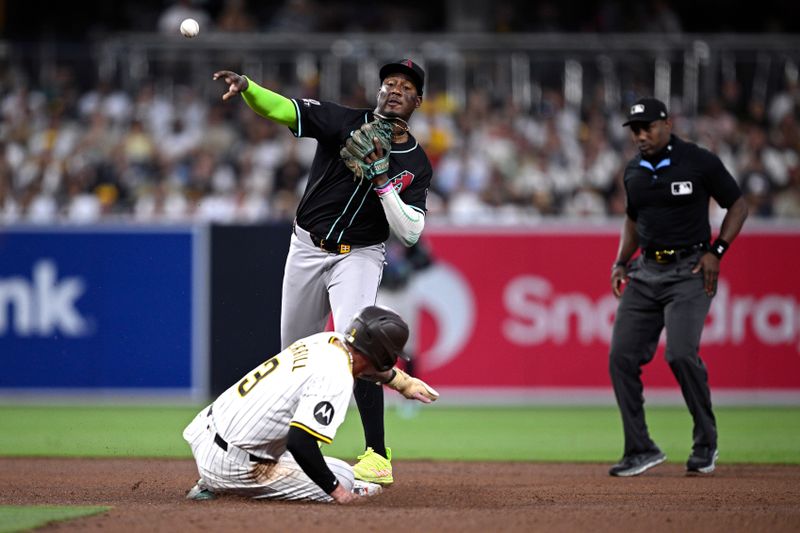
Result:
[{"x": 239, "y": 441}]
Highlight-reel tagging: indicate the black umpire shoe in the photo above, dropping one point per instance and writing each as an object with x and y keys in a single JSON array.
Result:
[
  {"x": 702, "y": 461},
  {"x": 638, "y": 463}
]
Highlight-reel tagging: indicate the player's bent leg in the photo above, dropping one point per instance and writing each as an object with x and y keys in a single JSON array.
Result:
[
  {"x": 286, "y": 480},
  {"x": 370, "y": 402},
  {"x": 304, "y": 304},
  {"x": 353, "y": 283},
  {"x": 342, "y": 471}
]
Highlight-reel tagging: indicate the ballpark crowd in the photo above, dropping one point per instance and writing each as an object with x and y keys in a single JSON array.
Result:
[{"x": 105, "y": 154}]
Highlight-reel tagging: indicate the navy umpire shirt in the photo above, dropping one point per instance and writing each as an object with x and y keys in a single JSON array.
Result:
[{"x": 668, "y": 195}]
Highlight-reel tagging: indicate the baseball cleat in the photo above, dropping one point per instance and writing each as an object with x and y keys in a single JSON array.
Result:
[
  {"x": 633, "y": 465},
  {"x": 374, "y": 468},
  {"x": 702, "y": 461},
  {"x": 199, "y": 493},
  {"x": 364, "y": 488}
]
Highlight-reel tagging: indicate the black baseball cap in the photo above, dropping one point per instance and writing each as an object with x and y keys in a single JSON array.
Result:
[
  {"x": 647, "y": 110},
  {"x": 407, "y": 67}
]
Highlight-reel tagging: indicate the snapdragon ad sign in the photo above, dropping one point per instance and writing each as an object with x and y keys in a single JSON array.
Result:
[
  {"x": 96, "y": 310},
  {"x": 535, "y": 309}
]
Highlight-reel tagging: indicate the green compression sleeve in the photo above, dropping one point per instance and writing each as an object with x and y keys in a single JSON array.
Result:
[{"x": 270, "y": 105}]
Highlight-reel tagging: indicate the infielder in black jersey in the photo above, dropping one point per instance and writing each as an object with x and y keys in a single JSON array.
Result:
[
  {"x": 336, "y": 255},
  {"x": 671, "y": 283}
]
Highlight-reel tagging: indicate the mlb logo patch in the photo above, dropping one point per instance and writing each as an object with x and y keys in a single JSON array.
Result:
[
  {"x": 638, "y": 108},
  {"x": 681, "y": 188}
]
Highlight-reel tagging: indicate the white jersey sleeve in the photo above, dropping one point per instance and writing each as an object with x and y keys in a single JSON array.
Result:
[{"x": 326, "y": 394}]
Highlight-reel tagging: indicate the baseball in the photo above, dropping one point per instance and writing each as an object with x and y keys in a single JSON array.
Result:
[{"x": 190, "y": 28}]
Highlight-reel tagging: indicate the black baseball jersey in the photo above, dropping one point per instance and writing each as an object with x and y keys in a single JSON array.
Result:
[
  {"x": 668, "y": 197},
  {"x": 335, "y": 205}
]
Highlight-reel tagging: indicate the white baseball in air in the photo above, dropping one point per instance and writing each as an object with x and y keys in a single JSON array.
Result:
[{"x": 190, "y": 28}]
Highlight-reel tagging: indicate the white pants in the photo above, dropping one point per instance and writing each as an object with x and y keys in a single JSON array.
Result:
[{"x": 232, "y": 472}]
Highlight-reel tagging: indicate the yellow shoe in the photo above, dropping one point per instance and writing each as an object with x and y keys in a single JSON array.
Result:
[{"x": 373, "y": 468}]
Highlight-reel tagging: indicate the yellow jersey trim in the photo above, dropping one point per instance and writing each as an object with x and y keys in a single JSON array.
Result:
[{"x": 318, "y": 436}]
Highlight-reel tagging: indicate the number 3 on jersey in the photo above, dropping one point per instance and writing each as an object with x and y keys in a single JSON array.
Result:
[{"x": 252, "y": 379}]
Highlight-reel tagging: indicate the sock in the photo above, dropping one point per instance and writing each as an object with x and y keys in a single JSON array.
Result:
[{"x": 369, "y": 399}]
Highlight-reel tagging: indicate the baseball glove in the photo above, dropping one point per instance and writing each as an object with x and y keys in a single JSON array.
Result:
[{"x": 360, "y": 145}]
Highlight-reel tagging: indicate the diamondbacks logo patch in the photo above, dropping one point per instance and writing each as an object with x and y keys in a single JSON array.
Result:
[
  {"x": 681, "y": 188},
  {"x": 402, "y": 181},
  {"x": 323, "y": 413}
]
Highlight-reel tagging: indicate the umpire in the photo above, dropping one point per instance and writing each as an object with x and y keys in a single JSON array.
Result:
[{"x": 672, "y": 281}]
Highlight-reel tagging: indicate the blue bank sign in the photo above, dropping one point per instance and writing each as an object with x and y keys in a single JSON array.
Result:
[{"x": 103, "y": 310}]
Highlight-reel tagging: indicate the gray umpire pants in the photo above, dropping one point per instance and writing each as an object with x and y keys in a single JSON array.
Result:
[{"x": 657, "y": 297}]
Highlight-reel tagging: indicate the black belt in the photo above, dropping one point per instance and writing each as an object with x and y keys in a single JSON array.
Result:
[
  {"x": 254, "y": 458},
  {"x": 670, "y": 255},
  {"x": 330, "y": 246},
  {"x": 222, "y": 443},
  {"x": 326, "y": 245}
]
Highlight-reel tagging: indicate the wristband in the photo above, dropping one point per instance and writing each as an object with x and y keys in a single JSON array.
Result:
[
  {"x": 394, "y": 374},
  {"x": 719, "y": 247},
  {"x": 619, "y": 264},
  {"x": 384, "y": 189}
]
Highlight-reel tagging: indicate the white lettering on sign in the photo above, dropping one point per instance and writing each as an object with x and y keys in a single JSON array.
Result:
[
  {"x": 42, "y": 305},
  {"x": 537, "y": 314}
]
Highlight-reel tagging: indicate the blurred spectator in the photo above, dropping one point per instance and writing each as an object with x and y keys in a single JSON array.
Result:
[
  {"x": 787, "y": 201},
  {"x": 757, "y": 190},
  {"x": 167, "y": 152},
  {"x": 236, "y": 17},
  {"x": 295, "y": 16}
]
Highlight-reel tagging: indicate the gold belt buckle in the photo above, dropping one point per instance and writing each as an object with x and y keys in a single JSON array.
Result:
[
  {"x": 340, "y": 249},
  {"x": 664, "y": 256}
]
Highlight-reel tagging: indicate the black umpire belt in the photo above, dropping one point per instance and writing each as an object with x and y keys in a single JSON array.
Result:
[
  {"x": 325, "y": 245},
  {"x": 665, "y": 256}
]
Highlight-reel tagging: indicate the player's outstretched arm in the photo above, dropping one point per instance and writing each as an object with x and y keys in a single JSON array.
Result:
[{"x": 266, "y": 103}]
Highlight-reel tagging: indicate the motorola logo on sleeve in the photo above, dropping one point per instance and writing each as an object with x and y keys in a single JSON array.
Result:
[{"x": 323, "y": 413}]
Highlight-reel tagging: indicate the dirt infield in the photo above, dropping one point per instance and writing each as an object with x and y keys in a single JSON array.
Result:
[{"x": 148, "y": 495}]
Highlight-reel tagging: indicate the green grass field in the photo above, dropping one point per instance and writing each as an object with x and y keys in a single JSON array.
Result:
[
  {"x": 563, "y": 434},
  {"x": 20, "y": 518}
]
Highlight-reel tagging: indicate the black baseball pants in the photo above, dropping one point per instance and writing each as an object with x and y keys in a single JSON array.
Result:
[{"x": 658, "y": 297}]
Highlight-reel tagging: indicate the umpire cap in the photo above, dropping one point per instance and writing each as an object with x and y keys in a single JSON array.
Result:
[
  {"x": 647, "y": 110},
  {"x": 380, "y": 334},
  {"x": 407, "y": 67}
]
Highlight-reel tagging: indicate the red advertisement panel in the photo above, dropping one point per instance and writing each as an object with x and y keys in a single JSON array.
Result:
[{"x": 534, "y": 309}]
